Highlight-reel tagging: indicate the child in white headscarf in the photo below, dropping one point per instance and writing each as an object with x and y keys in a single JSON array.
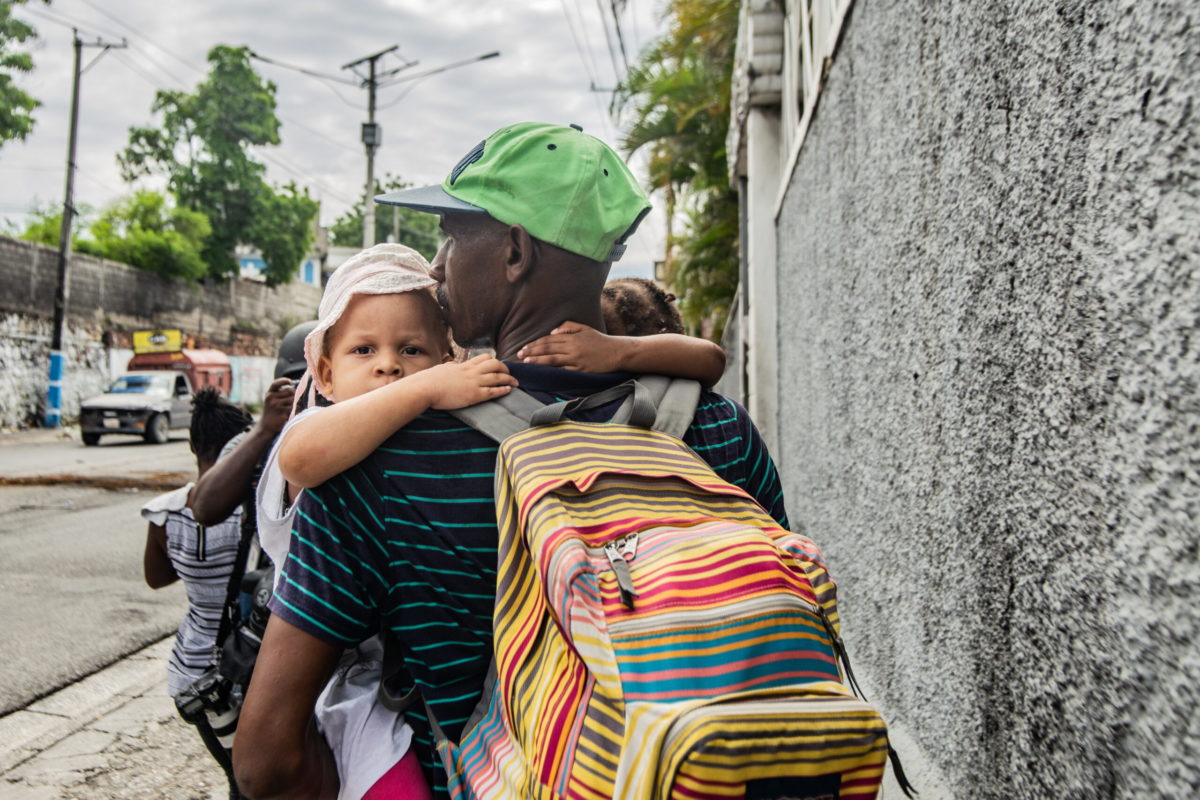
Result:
[{"x": 381, "y": 353}]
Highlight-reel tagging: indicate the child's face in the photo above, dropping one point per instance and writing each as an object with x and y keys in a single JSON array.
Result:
[{"x": 379, "y": 339}]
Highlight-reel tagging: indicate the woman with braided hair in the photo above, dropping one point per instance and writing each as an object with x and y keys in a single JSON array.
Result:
[{"x": 177, "y": 547}]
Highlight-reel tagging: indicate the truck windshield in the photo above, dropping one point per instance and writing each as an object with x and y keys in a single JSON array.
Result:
[{"x": 135, "y": 384}]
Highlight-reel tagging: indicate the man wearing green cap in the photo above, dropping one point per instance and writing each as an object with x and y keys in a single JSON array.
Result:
[{"x": 406, "y": 541}]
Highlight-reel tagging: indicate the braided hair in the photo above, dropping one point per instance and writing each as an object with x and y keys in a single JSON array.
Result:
[
  {"x": 639, "y": 307},
  {"x": 215, "y": 421}
]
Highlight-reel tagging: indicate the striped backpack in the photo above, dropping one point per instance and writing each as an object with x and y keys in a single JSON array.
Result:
[{"x": 657, "y": 634}]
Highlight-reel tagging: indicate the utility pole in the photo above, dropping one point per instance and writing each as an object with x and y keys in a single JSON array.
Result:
[
  {"x": 372, "y": 135},
  {"x": 53, "y": 417}
]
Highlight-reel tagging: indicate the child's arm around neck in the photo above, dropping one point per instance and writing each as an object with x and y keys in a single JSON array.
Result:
[
  {"x": 329, "y": 443},
  {"x": 575, "y": 346}
]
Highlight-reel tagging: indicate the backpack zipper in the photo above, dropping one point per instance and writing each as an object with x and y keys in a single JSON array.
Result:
[{"x": 620, "y": 552}]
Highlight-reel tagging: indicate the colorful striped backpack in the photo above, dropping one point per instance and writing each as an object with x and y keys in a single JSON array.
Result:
[{"x": 657, "y": 634}]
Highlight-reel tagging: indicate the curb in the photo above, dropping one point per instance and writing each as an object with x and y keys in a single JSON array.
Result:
[{"x": 42, "y": 724}]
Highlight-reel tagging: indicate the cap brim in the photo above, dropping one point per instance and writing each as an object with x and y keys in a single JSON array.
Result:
[{"x": 430, "y": 199}]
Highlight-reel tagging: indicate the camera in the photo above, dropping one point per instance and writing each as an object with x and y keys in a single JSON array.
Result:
[{"x": 212, "y": 695}]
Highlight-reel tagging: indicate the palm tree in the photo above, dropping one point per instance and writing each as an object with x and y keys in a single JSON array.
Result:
[{"x": 679, "y": 94}]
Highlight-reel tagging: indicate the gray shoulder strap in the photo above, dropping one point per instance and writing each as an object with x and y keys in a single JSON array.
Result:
[
  {"x": 676, "y": 400},
  {"x": 500, "y": 418}
]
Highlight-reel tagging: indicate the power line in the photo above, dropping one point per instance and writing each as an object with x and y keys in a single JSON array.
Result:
[
  {"x": 286, "y": 166},
  {"x": 588, "y": 65},
  {"x": 65, "y": 21},
  {"x": 273, "y": 158},
  {"x": 304, "y": 70},
  {"x": 620, "y": 36},
  {"x": 319, "y": 135},
  {"x": 183, "y": 84},
  {"x": 138, "y": 70},
  {"x": 141, "y": 35},
  {"x": 612, "y": 55},
  {"x": 97, "y": 181},
  {"x": 584, "y": 53},
  {"x": 324, "y": 79},
  {"x": 158, "y": 65}
]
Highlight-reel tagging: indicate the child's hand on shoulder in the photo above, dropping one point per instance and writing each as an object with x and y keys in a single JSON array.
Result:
[
  {"x": 458, "y": 385},
  {"x": 576, "y": 346}
]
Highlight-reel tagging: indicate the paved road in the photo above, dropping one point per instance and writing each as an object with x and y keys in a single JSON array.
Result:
[
  {"x": 72, "y": 599},
  {"x": 47, "y": 453}
]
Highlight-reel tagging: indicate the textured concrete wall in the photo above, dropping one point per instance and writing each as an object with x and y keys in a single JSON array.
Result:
[
  {"x": 109, "y": 300},
  {"x": 989, "y": 410}
]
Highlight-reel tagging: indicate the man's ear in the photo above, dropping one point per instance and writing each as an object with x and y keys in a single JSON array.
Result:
[{"x": 520, "y": 255}]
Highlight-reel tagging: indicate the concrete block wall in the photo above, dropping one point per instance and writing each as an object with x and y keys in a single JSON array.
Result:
[
  {"x": 989, "y": 385},
  {"x": 107, "y": 301}
]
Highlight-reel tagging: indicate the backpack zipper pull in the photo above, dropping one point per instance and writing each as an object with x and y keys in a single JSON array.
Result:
[
  {"x": 617, "y": 553},
  {"x": 628, "y": 547}
]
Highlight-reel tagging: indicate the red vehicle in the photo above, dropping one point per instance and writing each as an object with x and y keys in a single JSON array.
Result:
[{"x": 203, "y": 367}]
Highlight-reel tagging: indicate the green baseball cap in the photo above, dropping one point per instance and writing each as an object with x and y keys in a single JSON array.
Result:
[{"x": 562, "y": 185}]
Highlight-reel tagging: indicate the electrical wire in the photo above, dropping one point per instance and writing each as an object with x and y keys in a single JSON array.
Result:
[
  {"x": 65, "y": 21},
  {"x": 183, "y": 84},
  {"x": 620, "y": 36},
  {"x": 584, "y": 53},
  {"x": 588, "y": 66},
  {"x": 295, "y": 171},
  {"x": 274, "y": 158},
  {"x": 612, "y": 55},
  {"x": 312, "y": 74},
  {"x": 141, "y": 72},
  {"x": 141, "y": 35}
]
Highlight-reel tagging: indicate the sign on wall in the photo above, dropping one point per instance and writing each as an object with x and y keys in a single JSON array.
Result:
[{"x": 157, "y": 341}]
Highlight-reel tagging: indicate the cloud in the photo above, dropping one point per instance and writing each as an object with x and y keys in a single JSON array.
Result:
[{"x": 427, "y": 124}]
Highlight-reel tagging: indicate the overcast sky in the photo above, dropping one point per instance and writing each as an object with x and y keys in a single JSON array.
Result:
[{"x": 552, "y": 51}]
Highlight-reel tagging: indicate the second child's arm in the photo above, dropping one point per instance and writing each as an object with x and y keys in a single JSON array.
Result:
[
  {"x": 575, "y": 346},
  {"x": 340, "y": 436}
]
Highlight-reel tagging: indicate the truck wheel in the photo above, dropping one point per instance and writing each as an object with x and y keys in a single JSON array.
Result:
[
  {"x": 91, "y": 439},
  {"x": 158, "y": 429}
]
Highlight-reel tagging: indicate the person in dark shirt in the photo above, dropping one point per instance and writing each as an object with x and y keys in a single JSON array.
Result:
[{"x": 406, "y": 540}]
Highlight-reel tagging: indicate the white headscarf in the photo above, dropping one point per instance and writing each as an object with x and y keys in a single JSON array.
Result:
[{"x": 382, "y": 269}]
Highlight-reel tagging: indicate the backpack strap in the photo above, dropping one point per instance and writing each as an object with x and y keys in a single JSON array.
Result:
[
  {"x": 639, "y": 409},
  {"x": 500, "y": 418},
  {"x": 652, "y": 401},
  {"x": 676, "y": 399}
]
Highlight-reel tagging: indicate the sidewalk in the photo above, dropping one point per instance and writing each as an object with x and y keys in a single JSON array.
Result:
[
  {"x": 9, "y": 436},
  {"x": 111, "y": 736}
]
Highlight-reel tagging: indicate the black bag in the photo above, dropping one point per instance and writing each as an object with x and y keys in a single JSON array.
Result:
[{"x": 239, "y": 651}]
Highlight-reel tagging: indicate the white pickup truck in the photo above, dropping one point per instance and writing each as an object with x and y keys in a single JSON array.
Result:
[{"x": 146, "y": 404}]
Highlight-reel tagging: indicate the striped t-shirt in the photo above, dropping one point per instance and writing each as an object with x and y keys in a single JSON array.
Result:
[
  {"x": 203, "y": 558},
  {"x": 407, "y": 540}
]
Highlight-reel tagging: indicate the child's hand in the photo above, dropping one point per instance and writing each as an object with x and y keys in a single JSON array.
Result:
[
  {"x": 461, "y": 385},
  {"x": 575, "y": 346}
]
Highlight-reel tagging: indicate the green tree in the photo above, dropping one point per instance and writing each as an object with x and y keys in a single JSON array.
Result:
[
  {"x": 417, "y": 230},
  {"x": 44, "y": 227},
  {"x": 282, "y": 228},
  {"x": 201, "y": 147},
  {"x": 679, "y": 97},
  {"x": 16, "y": 107},
  {"x": 145, "y": 231}
]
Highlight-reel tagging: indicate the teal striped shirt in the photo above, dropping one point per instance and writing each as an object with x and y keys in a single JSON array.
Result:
[{"x": 406, "y": 541}]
